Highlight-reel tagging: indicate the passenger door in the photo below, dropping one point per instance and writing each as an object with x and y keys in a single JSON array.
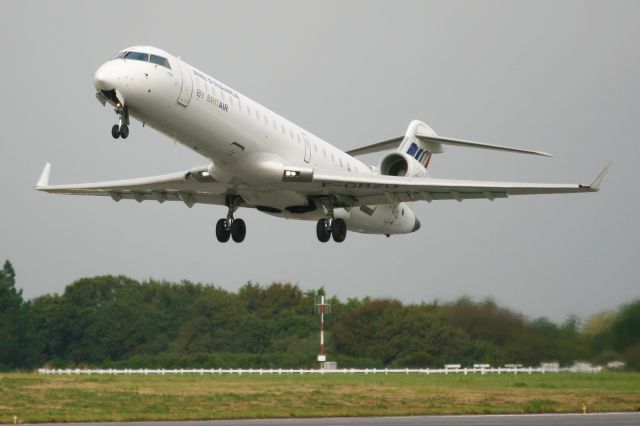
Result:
[
  {"x": 307, "y": 149},
  {"x": 186, "y": 88}
]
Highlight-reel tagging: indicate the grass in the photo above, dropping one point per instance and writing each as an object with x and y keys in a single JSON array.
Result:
[{"x": 35, "y": 398}]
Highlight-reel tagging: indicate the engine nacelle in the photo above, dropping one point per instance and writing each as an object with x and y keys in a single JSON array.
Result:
[{"x": 401, "y": 164}]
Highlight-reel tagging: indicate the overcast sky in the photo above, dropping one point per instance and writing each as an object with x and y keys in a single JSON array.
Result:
[{"x": 561, "y": 77}]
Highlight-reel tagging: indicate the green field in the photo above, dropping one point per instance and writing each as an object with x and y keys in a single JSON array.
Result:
[{"x": 38, "y": 398}]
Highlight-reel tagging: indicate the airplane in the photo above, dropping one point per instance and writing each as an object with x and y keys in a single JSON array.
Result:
[{"x": 258, "y": 159}]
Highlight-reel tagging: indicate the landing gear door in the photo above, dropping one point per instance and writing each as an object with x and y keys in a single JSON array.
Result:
[{"x": 186, "y": 82}]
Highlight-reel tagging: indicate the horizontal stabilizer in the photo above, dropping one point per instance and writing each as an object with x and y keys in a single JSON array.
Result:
[
  {"x": 439, "y": 140},
  {"x": 436, "y": 148},
  {"x": 377, "y": 147}
]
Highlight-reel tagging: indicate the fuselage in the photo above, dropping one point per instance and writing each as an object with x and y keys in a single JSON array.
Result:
[{"x": 246, "y": 143}]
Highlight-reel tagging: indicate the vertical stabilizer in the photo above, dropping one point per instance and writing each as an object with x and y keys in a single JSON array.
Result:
[{"x": 416, "y": 148}]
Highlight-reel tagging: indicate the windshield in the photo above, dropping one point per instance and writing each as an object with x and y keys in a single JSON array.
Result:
[
  {"x": 160, "y": 61},
  {"x": 140, "y": 56}
]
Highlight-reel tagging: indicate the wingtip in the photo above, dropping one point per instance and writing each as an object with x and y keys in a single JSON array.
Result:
[
  {"x": 597, "y": 182},
  {"x": 44, "y": 177}
]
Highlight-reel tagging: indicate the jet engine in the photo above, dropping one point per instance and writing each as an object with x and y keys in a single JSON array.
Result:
[{"x": 401, "y": 164}]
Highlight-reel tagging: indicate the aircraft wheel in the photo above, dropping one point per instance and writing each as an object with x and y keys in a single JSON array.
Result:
[
  {"x": 322, "y": 232},
  {"x": 238, "y": 230},
  {"x": 124, "y": 131},
  {"x": 339, "y": 230},
  {"x": 115, "y": 131},
  {"x": 222, "y": 234}
]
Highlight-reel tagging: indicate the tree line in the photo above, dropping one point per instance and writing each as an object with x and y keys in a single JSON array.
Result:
[{"x": 116, "y": 321}]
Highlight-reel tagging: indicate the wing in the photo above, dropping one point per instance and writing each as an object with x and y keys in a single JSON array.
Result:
[
  {"x": 190, "y": 187},
  {"x": 358, "y": 190}
]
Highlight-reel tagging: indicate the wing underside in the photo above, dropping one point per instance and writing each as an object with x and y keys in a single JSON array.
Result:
[
  {"x": 391, "y": 189},
  {"x": 191, "y": 187},
  {"x": 197, "y": 186}
]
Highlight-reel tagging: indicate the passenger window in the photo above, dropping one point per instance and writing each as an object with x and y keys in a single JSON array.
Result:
[
  {"x": 159, "y": 60},
  {"x": 266, "y": 120},
  {"x": 348, "y": 166},
  {"x": 333, "y": 158},
  {"x": 137, "y": 56},
  {"x": 283, "y": 131},
  {"x": 315, "y": 147},
  {"x": 248, "y": 110},
  {"x": 275, "y": 126},
  {"x": 340, "y": 161},
  {"x": 324, "y": 153},
  {"x": 257, "y": 115}
]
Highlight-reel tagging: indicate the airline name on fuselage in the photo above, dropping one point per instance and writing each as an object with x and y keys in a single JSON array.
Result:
[
  {"x": 212, "y": 100},
  {"x": 216, "y": 84}
]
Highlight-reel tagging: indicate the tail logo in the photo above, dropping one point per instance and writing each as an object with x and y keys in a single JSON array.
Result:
[{"x": 421, "y": 155}]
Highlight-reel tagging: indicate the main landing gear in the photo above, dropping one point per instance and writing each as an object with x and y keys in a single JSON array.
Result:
[
  {"x": 230, "y": 227},
  {"x": 331, "y": 227},
  {"x": 122, "y": 128}
]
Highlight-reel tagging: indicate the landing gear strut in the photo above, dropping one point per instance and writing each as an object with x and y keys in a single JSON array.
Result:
[
  {"x": 230, "y": 227},
  {"x": 122, "y": 128},
  {"x": 331, "y": 227}
]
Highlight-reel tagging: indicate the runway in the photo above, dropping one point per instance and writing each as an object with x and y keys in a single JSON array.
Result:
[{"x": 598, "y": 419}]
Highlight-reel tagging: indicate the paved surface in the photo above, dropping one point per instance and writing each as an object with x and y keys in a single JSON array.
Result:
[{"x": 605, "y": 419}]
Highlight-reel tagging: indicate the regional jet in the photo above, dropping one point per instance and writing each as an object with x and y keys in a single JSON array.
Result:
[{"x": 259, "y": 159}]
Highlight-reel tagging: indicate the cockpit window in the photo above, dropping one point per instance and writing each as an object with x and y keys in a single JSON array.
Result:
[
  {"x": 138, "y": 56},
  {"x": 119, "y": 55},
  {"x": 160, "y": 61}
]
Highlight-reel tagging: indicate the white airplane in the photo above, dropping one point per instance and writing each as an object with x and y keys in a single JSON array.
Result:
[{"x": 258, "y": 159}]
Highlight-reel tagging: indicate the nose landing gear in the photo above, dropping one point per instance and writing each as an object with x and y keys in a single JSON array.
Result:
[{"x": 122, "y": 128}]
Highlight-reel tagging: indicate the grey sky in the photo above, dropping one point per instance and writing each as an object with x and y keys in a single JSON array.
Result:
[{"x": 560, "y": 77}]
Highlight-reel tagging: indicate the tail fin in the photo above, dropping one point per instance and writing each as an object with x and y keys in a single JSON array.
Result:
[{"x": 417, "y": 148}]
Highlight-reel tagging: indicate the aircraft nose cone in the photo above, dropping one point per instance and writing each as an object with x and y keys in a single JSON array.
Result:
[
  {"x": 416, "y": 225},
  {"x": 105, "y": 78}
]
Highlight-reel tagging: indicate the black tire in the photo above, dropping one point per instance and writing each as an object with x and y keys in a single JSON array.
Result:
[
  {"x": 238, "y": 230},
  {"x": 115, "y": 131},
  {"x": 124, "y": 131},
  {"x": 339, "y": 230},
  {"x": 322, "y": 232},
  {"x": 222, "y": 234}
]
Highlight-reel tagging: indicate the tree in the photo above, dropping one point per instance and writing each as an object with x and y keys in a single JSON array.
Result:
[{"x": 16, "y": 344}]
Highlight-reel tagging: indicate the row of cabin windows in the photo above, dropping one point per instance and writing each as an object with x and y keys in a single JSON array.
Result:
[
  {"x": 282, "y": 128},
  {"x": 297, "y": 137}
]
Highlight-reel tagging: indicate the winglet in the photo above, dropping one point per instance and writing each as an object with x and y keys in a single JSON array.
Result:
[
  {"x": 44, "y": 177},
  {"x": 597, "y": 182}
]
